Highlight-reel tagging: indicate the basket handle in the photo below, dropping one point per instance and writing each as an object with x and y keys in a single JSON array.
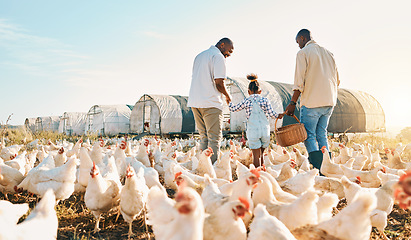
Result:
[{"x": 275, "y": 124}]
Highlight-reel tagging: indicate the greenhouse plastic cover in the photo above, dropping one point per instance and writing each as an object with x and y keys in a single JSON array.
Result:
[
  {"x": 50, "y": 123},
  {"x": 108, "y": 119},
  {"x": 30, "y": 124},
  {"x": 73, "y": 123}
]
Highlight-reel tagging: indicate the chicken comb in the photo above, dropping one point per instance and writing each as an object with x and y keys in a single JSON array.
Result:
[
  {"x": 177, "y": 175},
  {"x": 263, "y": 168},
  {"x": 209, "y": 148},
  {"x": 358, "y": 178},
  {"x": 256, "y": 172},
  {"x": 294, "y": 149},
  {"x": 384, "y": 170},
  {"x": 128, "y": 167},
  {"x": 404, "y": 176},
  {"x": 245, "y": 202},
  {"x": 341, "y": 145}
]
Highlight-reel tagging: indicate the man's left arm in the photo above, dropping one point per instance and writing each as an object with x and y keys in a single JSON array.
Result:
[{"x": 219, "y": 83}]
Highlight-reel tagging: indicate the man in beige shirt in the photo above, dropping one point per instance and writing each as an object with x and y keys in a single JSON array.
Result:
[{"x": 316, "y": 80}]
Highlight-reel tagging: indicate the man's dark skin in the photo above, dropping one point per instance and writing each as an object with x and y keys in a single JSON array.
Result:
[
  {"x": 301, "y": 41},
  {"x": 226, "y": 47}
]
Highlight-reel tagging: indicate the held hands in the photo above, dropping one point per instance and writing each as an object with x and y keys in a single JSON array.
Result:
[{"x": 228, "y": 98}]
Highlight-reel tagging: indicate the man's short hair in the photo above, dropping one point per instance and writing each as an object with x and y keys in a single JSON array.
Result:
[
  {"x": 225, "y": 41},
  {"x": 305, "y": 33}
]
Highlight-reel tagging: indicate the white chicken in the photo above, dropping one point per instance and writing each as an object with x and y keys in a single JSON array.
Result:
[
  {"x": 42, "y": 222},
  {"x": 204, "y": 164},
  {"x": 369, "y": 179},
  {"x": 278, "y": 192},
  {"x": 212, "y": 196},
  {"x": 59, "y": 179},
  {"x": 344, "y": 156},
  {"x": 332, "y": 185},
  {"x": 225, "y": 222},
  {"x": 352, "y": 222},
  {"x": 325, "y": 205},
  {"x": 299, "y": 158},
  {"x": 179, "y": 219},
  {"x": 60, "y": 158},
  {"x": 300, "y": 183},
  {"x": 11, "y": 213},
  {"x": 298, "y": 213},
  {"x": 18, "y": 163},
  {"x": 83, "y": 172},
  {"x": 328, "y": 167},
  {"x": 101, "y": 195},
  {"x": 222, "y": 166},
  {"x": 10, "y": 179},
  {"x": 287, "y": 171},
  {"x": 120, "y": 158},
  {"x": 267, "y": 227},
  {"x": 96, "y": 153},
  {"x": 10, "y": 152},
  {"x": 142, "y": 154},
  {"x": 150, "y": 174},
  {"x": 76, "y": 149},
  {"x": 133, "y": 196}
]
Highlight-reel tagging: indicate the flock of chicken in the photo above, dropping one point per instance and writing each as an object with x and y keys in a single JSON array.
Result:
[{"x": 283, "y": 199}]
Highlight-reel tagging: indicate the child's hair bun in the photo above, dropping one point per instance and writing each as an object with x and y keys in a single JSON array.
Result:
[{"x": 252, "y": 77}]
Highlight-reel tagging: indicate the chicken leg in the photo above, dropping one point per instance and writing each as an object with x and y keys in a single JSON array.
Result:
[{"x": 97, "y": 215}]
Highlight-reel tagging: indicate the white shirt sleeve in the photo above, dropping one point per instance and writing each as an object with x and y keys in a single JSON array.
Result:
[{"x": 219, "y": 67}]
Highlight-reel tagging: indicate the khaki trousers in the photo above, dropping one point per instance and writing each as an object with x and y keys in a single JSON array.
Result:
[{"x": 209, "y": 123}]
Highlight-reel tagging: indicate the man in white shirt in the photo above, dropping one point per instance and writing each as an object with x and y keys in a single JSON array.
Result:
[
  {"x": 316, "y": 80},
  {"x": 205, "y": 97}
]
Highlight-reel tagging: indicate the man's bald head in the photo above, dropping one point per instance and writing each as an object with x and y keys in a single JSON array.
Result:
[
  {"x": 225, "y": 41},
  {"x": 305, "y": 33},
  {"x": 303, "y": 36},
  {"x": 226, "y": 46}
]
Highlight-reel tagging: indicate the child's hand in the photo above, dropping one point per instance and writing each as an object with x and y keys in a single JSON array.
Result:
[{"x": 281, "y": 115}]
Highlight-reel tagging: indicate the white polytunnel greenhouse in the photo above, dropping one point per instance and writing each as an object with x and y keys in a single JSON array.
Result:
[
  {"x": 30, "y": 124},
  {"x": 162, "y": 114},
  {"x": 50, "y": 123},
  {"x": 73, "y": 123},
  {"x": 108, "y": 120}
]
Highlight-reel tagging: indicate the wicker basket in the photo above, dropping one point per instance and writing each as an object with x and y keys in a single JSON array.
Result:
[{"x": 290, "y": 134}]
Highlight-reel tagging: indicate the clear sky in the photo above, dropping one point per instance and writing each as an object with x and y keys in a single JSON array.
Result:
[{"x": 66, "y": 56}]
